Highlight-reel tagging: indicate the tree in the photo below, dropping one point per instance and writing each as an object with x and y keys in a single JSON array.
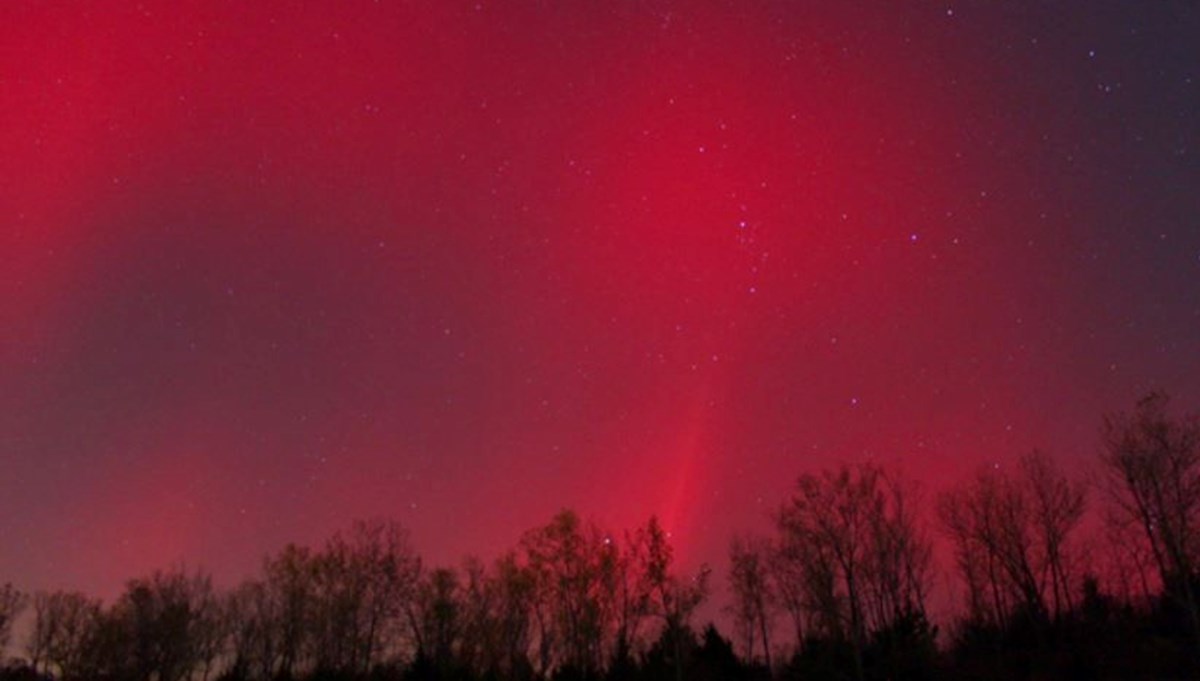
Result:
[
  {"x": 364, "y": 583},
  {"x": 249, "y": 619},
  {"x": 1152, "y": 470},
  {"x": 631, "y": 595},
  {"x": 753, "y": 594},
  {"x": 850, "y": 538},
  {"x": 11, "y": 604},
  {"x": 968, "y": 517},
  {"x": 1057, "y": 507},
  {"x": 157, "y": 628},
  {"x": 789, "y": 577},
  {"x": 512, "y": 591},
  {"x": 63, "y": 624},
  {"x": 573, "y": 566},
  {"x": 441, "y": 617},
  {"x": 1131, "y": 571},
  {"x": 210, "y": 629},
  {"x": 671, "y": 598},
  {"x": 899, "y": 558},
  {"x": 281, "y": 608},
  {"x": 1012, "y": 532},
  {"x": 474, "y": 619}
]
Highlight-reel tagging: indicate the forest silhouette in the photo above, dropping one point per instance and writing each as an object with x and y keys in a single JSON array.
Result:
[{"x": 838, "y": 589}]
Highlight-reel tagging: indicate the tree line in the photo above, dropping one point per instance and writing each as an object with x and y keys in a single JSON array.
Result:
[{"x": 838, "y": 589}]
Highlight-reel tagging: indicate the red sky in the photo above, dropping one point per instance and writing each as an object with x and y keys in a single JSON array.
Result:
[{"x": 268, "y": 269}]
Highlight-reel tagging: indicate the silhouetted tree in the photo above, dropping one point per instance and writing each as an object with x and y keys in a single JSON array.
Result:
[
  {"x": 1011, "y": 535},
  {"x": 11, "y": 604},
  {"x": 1058, "y": 504},
  {"x": 252, "y": 621},
  {"x": 1152, "y": 466},
  {"x": 753, "y": 594},
  {"x": 631, "y": 600},
  {"x": 573, "y": 565},
  {"x": 851, "y": 536},
  {"x": 849, "y": 565},
  {"x": 714, "y": 659},
  {"x": 364, "y": 584},
  {"x": 440, "y": 618},
  {"x": 513, "y": 590},
  {"x": 155, "y": 629},
  {"x": 673, "y": 599},
  {"x": 789, "y": 575}
]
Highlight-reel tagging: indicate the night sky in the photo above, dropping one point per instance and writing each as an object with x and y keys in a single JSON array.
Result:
[{"x": 266, "y": 268}]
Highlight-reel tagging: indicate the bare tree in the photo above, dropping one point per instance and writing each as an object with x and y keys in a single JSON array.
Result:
[
  {"x": 63, "y": 623},
  {"x": 393, "y": 572},
  {"x": 441, "y": 618},
  {"x": 364, "y": 583},
  {"x": 988, "y": 520},
  {"x": 1012, "y": 533},
  {"x": 1152, "y": 465},
  {"x": 826, "y": 523},
  {"x": 45, "y": 629},
  {"x": 788, "y": 575},
  {"x": 12, "y": 602},
  {"x": 899, "y": 558},
  {"x": 966, "y": 517},
  {"x": 850, "y": 538},
  {"x": 1130, "y": 564},
  {"x": 283, "y": 609},
  {"x": 753, "y": 594},
  {"x": 475, "y": 627},
  {"x": 631, "y": 596},
  {"x": 210, "y": 629},
  {"x": 512, "y": 590},
  {"x": 253, "y": 618},
  {"x": 671, "y": 598},
  {"x": 573, "y": 565},
  {"x": 1057, "y": 507},
  {"x": 154, "y": 628}
]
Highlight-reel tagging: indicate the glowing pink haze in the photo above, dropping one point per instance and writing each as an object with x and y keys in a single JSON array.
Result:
[{"x": 268, "y": 268}]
